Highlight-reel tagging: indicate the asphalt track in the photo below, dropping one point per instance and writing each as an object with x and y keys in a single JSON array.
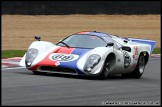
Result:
[{"x": 21, "y": 87}]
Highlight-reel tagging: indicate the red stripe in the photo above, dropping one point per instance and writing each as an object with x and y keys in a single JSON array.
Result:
[
  {"x": 47, "y": 62},
  {"x": 65, "y": 50},
  {"x": 84, "y": 32}
]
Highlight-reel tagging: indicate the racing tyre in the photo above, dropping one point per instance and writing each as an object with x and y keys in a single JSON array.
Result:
[
  {"x": 39, "y": 73},
  {"x": 108, "y": 66},
  {"x": 137, "y": 73},
  {"x": 105, "y": 71}
]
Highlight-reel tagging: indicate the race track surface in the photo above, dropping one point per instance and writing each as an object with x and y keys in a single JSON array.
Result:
[{"x": 21, "y": 87}]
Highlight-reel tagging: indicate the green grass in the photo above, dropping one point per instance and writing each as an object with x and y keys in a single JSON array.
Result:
[
  {"x": 157, "y": 51},
  {"x": 12, "y": 53},
  {"x": 20, "y": 53}
]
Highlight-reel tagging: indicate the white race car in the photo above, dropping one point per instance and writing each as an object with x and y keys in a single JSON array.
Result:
[{"x": 90, "y": 53}]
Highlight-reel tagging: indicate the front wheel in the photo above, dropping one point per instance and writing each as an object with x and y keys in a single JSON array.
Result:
[
  {"x": 108, "y": 66},
  {"x": 105, "y": 71}
]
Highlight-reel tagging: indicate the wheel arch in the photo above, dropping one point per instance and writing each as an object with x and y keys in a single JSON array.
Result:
[
  {"x": 146, "y": 56},
  {"x": 112, "y": 58},
  {"x": 107, "y": 65}
]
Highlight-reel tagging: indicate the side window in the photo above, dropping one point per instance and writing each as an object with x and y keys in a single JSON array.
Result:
[{"x": 117, "y": 45}]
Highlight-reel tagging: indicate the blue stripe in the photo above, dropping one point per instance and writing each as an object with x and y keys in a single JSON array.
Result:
[
  {"x": 73, "y": 64},
  {"x": 79, "y": 51},
  {"x": 151, "y": 43}
]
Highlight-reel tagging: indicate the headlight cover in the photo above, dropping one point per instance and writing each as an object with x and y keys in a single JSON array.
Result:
[
  {"x": 30, "y": 56},
  {"x": 91, "y": 62}
]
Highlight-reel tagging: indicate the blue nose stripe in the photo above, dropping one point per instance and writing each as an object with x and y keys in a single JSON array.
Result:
[
  {"x": 80, "y": 51},
  {"x": 73, "y": 64}
]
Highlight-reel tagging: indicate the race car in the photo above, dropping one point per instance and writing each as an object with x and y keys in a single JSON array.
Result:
[{"x": 90, "y": 53}]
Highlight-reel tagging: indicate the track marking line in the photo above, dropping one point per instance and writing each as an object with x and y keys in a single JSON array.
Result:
[{"x": 12, "y": 68}]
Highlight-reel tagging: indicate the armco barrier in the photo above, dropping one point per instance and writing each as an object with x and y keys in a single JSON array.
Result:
[{"x": 80, "y": 7}]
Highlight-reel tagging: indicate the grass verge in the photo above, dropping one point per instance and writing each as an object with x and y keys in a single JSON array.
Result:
[
  {"x": 157, "y": 51},
  {"x": 12, "y": 53},
  {"x": 20, "y": 53}
]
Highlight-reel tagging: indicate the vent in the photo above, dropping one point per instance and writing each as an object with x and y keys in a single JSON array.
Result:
[{"x": 57, "y": 70}]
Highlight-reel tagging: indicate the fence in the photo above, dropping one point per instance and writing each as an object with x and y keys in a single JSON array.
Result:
[{"x": 80, "y": 7}]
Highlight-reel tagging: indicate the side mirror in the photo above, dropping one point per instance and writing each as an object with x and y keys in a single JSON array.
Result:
[
  {"x": 110, "y": 44},
  {"x": 37, "y": 38},
  {"x": 125, "y": 41},
  {"x": 126, "y": 48}
]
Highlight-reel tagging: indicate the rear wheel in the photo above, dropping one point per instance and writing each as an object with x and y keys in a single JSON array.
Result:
[
  {"x": 39, "y": 73},
  {"x": 137, "y": 73}
]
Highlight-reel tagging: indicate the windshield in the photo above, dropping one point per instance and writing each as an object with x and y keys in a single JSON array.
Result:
[{"x": 83, "y": 41}]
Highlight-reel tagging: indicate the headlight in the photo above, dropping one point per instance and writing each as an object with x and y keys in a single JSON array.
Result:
[
  {"x": 30, "y": 56},
  {"x": 91, "y": 62}
]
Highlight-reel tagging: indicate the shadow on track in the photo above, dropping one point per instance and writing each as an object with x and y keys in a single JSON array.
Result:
[{"x": 112, "y": 77}]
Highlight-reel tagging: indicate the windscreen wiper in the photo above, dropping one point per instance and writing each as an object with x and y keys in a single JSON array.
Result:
[{"x": 64, "y": 44}]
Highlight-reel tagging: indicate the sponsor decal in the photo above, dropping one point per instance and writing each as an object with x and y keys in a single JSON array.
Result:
[
  {"x": 61, "y": 57},
  {"x": 135, "y": 55},
  {"x": 136, "y": 50},
  {"x": 127, "y": 59}
]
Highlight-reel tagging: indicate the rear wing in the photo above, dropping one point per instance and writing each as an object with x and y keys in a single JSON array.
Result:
[{"x": 149, "y": 42}]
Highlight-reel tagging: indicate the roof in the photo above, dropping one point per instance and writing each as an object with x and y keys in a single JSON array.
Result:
[{"x": 94, "y": 33}]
